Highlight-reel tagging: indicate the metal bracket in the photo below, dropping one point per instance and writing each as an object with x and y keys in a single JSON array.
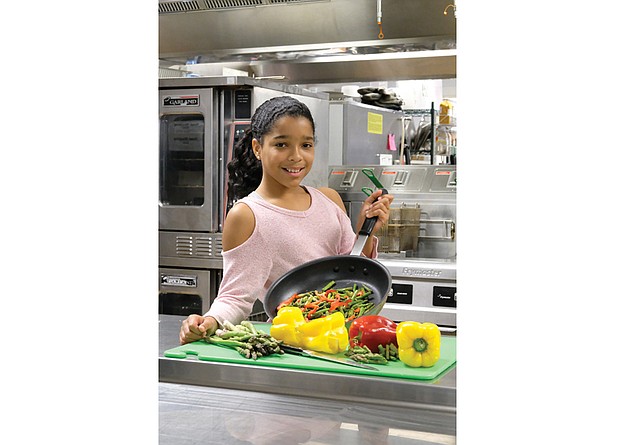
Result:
[{"x": 449, "y": 228}]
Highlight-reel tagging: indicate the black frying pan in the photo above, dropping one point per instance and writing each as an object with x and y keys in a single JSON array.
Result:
[{"x": 345, "y": 270}]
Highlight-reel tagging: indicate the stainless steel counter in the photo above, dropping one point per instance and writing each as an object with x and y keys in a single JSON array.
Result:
[{"x": 204, "y": 402}]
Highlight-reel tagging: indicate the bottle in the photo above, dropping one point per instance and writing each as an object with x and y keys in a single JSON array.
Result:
[{"x": 442, "y": 146}]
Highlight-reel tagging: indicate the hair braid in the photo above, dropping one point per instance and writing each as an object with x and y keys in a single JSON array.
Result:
[{"x": 244, "y": 170}]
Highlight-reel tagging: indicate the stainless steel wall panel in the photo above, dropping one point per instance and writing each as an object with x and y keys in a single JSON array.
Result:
[{"x": 360, "y": 145}]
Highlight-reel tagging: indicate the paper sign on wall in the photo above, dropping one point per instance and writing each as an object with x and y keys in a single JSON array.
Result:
[
  {"x": 391, "y": 145},
  {"x": 375, "y": 123}
]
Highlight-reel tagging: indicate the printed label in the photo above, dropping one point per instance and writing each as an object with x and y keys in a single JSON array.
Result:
[
  {"x": 401, "y": 294},
  {"x": 178, "y": 280},
  {"x": 444, "y": 296},
  {"x": 414, "y": 272},
  {"x": 182, "y": 101}
]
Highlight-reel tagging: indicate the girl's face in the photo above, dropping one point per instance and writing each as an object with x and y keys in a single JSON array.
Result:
[{"x": 287, "y": 151}]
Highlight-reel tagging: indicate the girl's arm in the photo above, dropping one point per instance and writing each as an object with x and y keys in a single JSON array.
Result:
[{"x": 246, "y": 267}]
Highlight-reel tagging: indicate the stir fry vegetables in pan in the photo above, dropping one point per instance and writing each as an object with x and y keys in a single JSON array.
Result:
[{"x": 352, "y": 301}]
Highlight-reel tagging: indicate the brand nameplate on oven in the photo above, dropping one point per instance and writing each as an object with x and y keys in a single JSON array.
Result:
[
  {"x": 177, "y": 280},
  {"x": 409, "y": 271},
  {"x": 182, "y": 101}
]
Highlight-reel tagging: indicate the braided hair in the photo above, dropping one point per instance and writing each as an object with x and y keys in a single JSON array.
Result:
[{"x": 244, "y": 170}]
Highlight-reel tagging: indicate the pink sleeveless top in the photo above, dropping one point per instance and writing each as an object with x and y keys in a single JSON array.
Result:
[{"x": 282, "y": 239}]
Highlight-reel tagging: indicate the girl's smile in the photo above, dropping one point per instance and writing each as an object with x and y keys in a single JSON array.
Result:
[{"x": 293, "y": 171}]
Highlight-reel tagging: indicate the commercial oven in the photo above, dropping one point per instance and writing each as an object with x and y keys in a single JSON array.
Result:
[{"x": 200, "y": 119}]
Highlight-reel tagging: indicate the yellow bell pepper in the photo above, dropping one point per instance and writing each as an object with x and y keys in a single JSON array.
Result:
[
  {"x": 284, "y": 326},
  {"x": 326, "y": 334},
  {"x": 419, "y": 344}
]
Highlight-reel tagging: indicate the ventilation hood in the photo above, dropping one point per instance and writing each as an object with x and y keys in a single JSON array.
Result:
[{"x": 313, "y": 41}]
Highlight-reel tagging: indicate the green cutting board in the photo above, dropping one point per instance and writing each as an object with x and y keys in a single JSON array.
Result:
[{"x": 397, "y": 369}]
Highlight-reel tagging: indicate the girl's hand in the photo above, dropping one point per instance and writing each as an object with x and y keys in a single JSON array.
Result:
[
  {"x": 380, "y": 208},
  {"x": 195, "y": 327}
]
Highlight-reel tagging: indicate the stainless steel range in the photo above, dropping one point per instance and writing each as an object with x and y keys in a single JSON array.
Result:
[{"x": 418, "y": 246}]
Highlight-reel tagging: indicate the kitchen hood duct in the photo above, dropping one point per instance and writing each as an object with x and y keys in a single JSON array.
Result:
[
  {"x": 417, "y": 65},
  {"x": 312, "y": 40},
  {"x": 206, "y": 32},
  {"x": 178, "y": 6}
]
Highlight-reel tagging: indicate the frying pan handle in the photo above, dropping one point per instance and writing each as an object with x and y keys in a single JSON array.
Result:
[{"x": 369, "y": 223}]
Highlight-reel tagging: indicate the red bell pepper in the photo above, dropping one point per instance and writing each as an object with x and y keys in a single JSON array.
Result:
[{"x": 372, "y": 331}]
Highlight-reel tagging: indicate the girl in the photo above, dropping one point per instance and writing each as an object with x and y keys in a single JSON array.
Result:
[{"x": 276, "y": 223}]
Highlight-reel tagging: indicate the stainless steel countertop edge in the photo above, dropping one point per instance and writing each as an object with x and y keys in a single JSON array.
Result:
[{"x": 355, "y": 388}]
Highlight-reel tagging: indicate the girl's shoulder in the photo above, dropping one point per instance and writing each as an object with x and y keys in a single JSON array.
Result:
[
  {"x": 238, "y": 226},
  {"x": 333, "y": 195}
]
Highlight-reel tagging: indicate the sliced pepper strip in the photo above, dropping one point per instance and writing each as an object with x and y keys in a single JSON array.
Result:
[
  {"x": 336, "y": 304},
  {"x": 419, "y": 344},
  {"x": 287, "y": 302},
  {"x": 313, "y": 308}
]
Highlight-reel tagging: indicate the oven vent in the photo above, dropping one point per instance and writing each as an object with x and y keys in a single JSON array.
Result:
[
  {"x": 178, "y": 6},
  {"x": 284, "y": 2},
  {"x": 203, "y": 246},
  {"x": 229, "y": 4}
]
